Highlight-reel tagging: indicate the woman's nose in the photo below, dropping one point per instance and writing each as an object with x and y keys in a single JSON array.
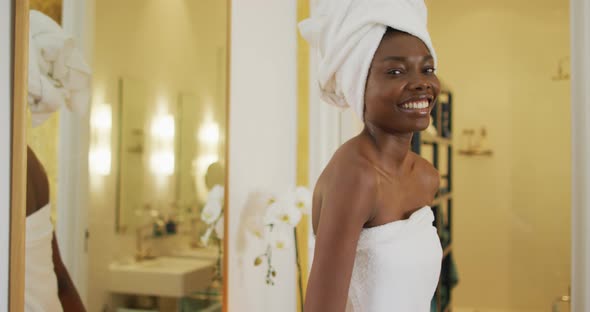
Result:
[{"x": 419, "y": 82}]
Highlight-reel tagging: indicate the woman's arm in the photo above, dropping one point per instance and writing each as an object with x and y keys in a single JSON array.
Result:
[
  {"x": 68, "y": 295},
  {"x": 37, "y": 183},
  {"x": 37, "y": 198},
  {"x": 347, "y": 204}
]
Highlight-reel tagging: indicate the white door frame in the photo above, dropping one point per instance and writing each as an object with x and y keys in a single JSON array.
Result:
[
  {"x": 580, "y": 96},
  {"x": 6, "y": 47},
  {"x": 73, "y": 193}
]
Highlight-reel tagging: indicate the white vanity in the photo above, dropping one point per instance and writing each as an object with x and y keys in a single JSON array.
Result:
[{"x": 162, "y": 276}]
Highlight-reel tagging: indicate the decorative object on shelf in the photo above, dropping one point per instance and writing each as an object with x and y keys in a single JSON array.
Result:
[
  {"x": 275, "y": 225},
  {"x": 475, "y": 144},
  {"x": 563, "y": 66},
  {"x": 212, "y": 215},
  {"x": 561, "y": 300}
]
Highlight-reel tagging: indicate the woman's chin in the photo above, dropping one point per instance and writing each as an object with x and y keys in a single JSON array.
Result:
[{"x": 421, "y": 126}]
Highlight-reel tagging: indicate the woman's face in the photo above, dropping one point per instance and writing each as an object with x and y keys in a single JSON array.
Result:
[{"x": 401, "y": 86}]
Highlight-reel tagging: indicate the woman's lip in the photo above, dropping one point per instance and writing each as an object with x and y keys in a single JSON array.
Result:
[
  {"x": 401, "y": 106},
  {"x": 419, "y": 99},
  {"x": 419, "y": 111}
]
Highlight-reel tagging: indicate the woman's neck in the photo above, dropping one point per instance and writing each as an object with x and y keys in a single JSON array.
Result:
[{"x": 393, "y": 148}]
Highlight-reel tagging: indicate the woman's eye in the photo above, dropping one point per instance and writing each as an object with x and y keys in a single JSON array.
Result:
[
  {"x": 394, "y": 72},
  {"x": 430, "y": 70}
]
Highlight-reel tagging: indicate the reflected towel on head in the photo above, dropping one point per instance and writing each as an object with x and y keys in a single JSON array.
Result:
[
  {"x": 58, "y": 74},
  {"x": 346, "y": 33}
]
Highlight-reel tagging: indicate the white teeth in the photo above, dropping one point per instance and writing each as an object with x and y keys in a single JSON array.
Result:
[{"x": 416, "y": 105}]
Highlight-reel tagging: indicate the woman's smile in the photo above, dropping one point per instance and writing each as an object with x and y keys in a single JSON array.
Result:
[{"x": 419, "y": 105}]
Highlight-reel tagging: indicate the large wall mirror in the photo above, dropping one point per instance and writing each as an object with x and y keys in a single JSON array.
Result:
[
  {"x": 169, "y": 159},
  {"x": 132, "y": 147}
]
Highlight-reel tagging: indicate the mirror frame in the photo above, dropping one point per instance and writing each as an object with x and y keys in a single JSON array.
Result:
[
  {"x": 16, "y": 279},
  {"x": 225, "y": 264},
  {"x": 18, "y": 155}
]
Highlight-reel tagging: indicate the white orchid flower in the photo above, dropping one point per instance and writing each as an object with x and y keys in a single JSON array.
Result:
[
  {"x": 303, "y": 199},
  {"x": 255, "y": 225},
  {"x": 263, "y": 202},
  {"x": 219, "y": 228},
  {"x": 205, "y": 237},
  {"x": 211, "y": 211},
  {"x": 280, "y": 237},
  {"x": 282, "y": 212}
]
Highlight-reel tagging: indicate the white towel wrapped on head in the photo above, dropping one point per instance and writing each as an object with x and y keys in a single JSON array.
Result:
[
  {"x": 346, "y": 34},
  {"x": 58, "y": 74}
]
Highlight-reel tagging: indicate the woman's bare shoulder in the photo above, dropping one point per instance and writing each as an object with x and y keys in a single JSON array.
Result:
[
  {"x": 429, "y": 175},
  {"x": 350, "y": 176},
  {"x": 352, "y": 162}
]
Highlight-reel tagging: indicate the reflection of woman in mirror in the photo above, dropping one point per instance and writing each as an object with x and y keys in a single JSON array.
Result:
[
  {"x": 48, "y": 286},
  {"x": 214, "y": 175},
  {"x": 58, "y": 76},
  {"x": 376, "y": 247}
]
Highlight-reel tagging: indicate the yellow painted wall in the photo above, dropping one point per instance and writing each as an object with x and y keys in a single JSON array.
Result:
[
  {"x": 512, "y": 210},
  {"x": 51, "y": 8},
  {"x": 162, "y": 44},
  {"x": 302, "y": 151}
]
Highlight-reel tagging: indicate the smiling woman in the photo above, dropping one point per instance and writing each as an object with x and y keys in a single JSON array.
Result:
[
  {"x": 374, "y": 184},
  {"x": 402, "y": 85}
]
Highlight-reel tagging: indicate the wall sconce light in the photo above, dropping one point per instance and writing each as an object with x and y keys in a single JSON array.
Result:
[
  {"x": 208, "y": 139},
  {"x": 100, "y": 161},
  {"x": 162, "y": 157},
  {"x": 163, "y": 127},
  {"x": 99, "y": 156},
  {"x": 162, "y": 163},
  {"x": 209, "y": 133}
]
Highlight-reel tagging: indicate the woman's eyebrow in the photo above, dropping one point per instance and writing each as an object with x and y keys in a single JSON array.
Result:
[{"x": 404, "y": 58}]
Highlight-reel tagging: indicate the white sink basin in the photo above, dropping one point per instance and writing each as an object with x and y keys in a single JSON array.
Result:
[
  {"x": 207, "y": 253},
  {"x": 163, "y": 276}
]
